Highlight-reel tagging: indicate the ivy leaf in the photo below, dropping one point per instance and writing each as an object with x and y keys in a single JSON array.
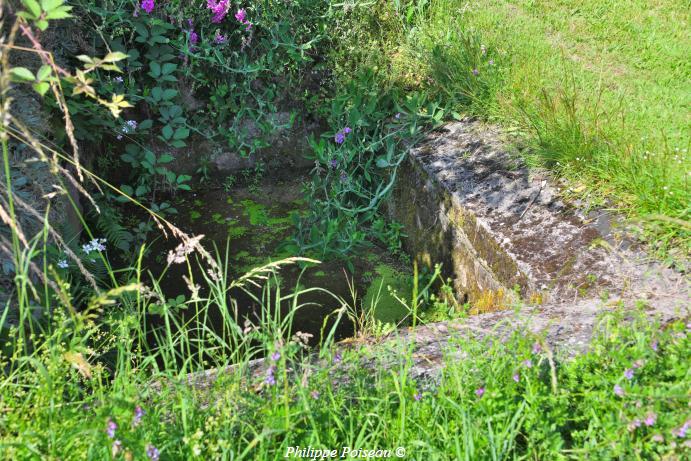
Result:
[{"x": 167, "y": 132}]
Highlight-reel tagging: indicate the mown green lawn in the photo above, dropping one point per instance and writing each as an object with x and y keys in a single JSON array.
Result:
[{"x": 600, "y": 90}]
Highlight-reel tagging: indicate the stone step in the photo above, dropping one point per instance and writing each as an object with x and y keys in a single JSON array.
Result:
[{"x": 501, "y": 231}]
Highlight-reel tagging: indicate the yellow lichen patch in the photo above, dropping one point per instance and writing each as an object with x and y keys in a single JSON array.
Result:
[
  {"x": 537, "y": 298},
  {"x": 489, "y": 301}
]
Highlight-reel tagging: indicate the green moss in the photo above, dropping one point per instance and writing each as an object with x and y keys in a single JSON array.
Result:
[
  {"x": 236, "y": 231},
  {"x": 256, "y": 212}
]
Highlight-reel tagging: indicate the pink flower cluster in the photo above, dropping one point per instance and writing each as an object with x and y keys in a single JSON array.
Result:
[
  {"x": 241, "y": 17},
  {"x": 219, "y": 8},
  {"x": 148, "y": 6}
]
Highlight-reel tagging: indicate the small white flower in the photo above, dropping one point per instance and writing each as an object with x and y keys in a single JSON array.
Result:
[
  {"x": 62, "y": 264},
  {"x": 94, "y": 245}
]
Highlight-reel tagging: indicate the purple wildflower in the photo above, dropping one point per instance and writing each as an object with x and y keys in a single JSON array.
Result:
[
  {"x": 528, "y": 363},
  {"x": 219, "y": 8},
  {"x": 636, "y": 423},
  {"x": 657, "y": 438},
  {"x": 516, "y": 377},
  {"x": 347, "y": 130},
  {"x": 397, "y": 116},
  {"x": 275, "y": 356},
  {"x": 628, "y": 373},
  {"x": 476, "y": 72},
  {"x": 480, "y": 391},
  {"x": 148, "y": 6},
  {"x": 138, "y": 413},
  {"x": 338, "y": 357},
  {"x": 220, "y": 39},
  {"x": 491, "y": 62},
  {"x": 618, "y": 391},
  {"x": 343, "y": 177},
  {"x": 111, "y": 427},
  {"x": 537, "y": 348},
  {"x": 152, "y": 452},
  {"x": 650, "y": 419},
  {"x": 333, "y": 163},
  {"x": 418, "y": 396},
  {"x": 270, "y": 378},
  {"x": 194, "y": 38},
  {"x": 241, "y": 17},
  {"x": 653, "y": 345},
  {"x": 315, "y": 394},
  {"x": 339, "y": 138},
  {"x": 681, "y": 432}
]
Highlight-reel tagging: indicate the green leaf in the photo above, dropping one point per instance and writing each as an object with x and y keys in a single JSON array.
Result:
[
  {"x": 181, "y": 133},
  {"x": 157, "y": 93},
  {"x": 33, "y": 7},
  {"x": 168, "y": 68},
  {"x": 169, "y": 94},
  {"x": 43, "y": 72},
  {"x": 114, "y": 56},
  {"x": 22, "y": 74},
  {"x": 150, "y": 157},
  {"x": 42, "y": 24},
  {"x": 41, "y": 87},
  {"x": 146, "y": 124},
  {"x": 155, "y": 69},
  {"x": 49, "y": 5},
  {"x": 142, "y": 31},
  {"x": 141, "y": 190},
  {"x": 127, "y": 189},
  {"x": 382, "y": 162},
  {"x": 167, "y": 132},
  {"x": 60, "y": 13},
  {"x": 166, "y": 158}
]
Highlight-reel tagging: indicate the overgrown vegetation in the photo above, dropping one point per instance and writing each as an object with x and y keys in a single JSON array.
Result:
[{"x": 95, "y": 355}]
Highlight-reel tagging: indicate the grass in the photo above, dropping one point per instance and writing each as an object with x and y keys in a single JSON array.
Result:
[
  {"x": 597, "y": 91},
  {"x": 94, "y": 385}
]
